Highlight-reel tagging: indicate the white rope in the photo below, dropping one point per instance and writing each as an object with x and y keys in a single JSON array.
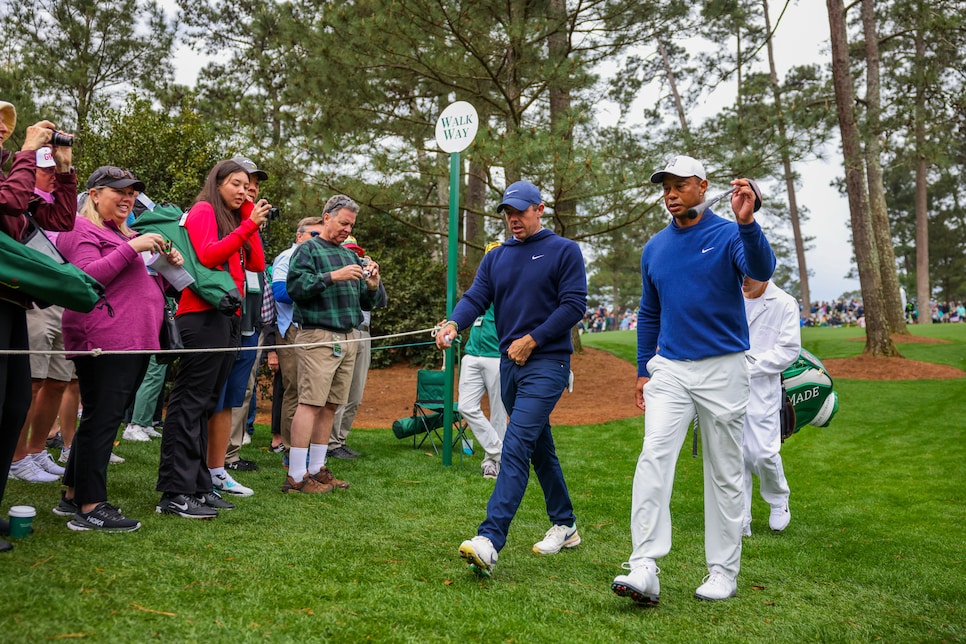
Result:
[{"x": 274, "y": 347}]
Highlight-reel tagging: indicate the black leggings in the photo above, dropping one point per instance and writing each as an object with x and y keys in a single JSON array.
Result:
[
  {"x": 14, "y": 384},
  {"x": 108, "y": 385},
  {"x": 197, "y": 387}
]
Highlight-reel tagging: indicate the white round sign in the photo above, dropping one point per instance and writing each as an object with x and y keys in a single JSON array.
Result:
[{"x": 456, "y": 127}]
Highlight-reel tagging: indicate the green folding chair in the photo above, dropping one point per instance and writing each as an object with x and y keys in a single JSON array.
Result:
[{"x": 428, "y": 412}]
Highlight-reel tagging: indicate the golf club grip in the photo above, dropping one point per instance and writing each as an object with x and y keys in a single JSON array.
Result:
[{"x": 693, "y": 212}]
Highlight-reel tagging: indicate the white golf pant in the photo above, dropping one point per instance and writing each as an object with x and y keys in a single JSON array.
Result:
[
  {"x": 716, "y": 389},
  {"x": 480, "y": 375},
  {"x": 762, "y": 442}
]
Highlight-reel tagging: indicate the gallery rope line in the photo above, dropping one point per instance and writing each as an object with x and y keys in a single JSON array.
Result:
[{"x": 274, "y": 347}]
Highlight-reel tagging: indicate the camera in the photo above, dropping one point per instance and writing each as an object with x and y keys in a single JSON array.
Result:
[
  {"x": 273, "y": 214},
  {"x": 61, "y": 139}
]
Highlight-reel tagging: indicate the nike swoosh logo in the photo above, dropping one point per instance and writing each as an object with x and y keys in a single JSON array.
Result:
[
  {"x": 705, "y": 250},
  {"x": 536, "y": 257},
  {"x": 180, "y": 506}
]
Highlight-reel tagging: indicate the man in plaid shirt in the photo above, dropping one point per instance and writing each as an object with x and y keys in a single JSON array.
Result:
[{"x": 330, "y": 289}]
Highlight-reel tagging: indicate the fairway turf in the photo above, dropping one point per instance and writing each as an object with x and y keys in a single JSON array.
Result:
[{"x": 875, "y": 550}]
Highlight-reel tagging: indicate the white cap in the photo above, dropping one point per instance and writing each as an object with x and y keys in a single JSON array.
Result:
[
  {"x": 681, "y": 166},
  {"x": 45, "y": 158}
]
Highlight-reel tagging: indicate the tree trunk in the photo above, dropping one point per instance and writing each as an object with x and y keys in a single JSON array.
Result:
[
  {"x": 878, "y": 210},
  {"x": 878, "y": 341},
  {"x": 923, "y": 292},
  {"x": 805, "y": 296},
  {"x": 678, "y": 105},
  {"x": 474, "y": 223}
]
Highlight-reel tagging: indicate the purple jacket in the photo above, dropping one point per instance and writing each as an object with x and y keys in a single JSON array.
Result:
[{"x": 131, "y": 319}]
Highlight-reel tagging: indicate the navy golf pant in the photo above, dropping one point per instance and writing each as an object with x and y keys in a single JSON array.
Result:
[{"x": 529, "y": 394}]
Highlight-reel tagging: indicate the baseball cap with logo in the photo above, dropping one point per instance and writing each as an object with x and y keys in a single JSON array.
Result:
[
  {"x": 45, "y": 158},
  {"x": 681, "y": 166},
  {"x": 250, "y": 167},
  {"x": 520, "y": 196}
]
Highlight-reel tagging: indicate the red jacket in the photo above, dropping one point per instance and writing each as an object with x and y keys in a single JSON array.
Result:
[
  {"x": 16, "y": 192},
  {"x": 214, "y": 252}
]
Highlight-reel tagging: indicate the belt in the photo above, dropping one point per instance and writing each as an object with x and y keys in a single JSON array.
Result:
[{"x": 364, "y": 327}]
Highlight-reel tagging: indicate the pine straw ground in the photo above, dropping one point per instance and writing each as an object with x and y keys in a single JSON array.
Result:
[{"x": 604, "y": 386}]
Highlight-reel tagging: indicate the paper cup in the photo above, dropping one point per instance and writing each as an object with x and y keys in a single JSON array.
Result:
[{"x": 21, "y": 520}]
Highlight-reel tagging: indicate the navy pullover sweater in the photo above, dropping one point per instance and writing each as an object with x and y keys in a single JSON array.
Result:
[
  {"x": 691, "y": 302},
  {"x": 537, "y": 286}
]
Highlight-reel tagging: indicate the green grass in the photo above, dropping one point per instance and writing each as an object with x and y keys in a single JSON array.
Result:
[{"x": 876, "y": 550}]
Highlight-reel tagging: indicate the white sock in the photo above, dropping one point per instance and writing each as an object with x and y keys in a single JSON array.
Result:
[
  {"x": 317, "y": 452},
  {"x": 215, "y": 471},
  {"x": 296, "y": 462}
]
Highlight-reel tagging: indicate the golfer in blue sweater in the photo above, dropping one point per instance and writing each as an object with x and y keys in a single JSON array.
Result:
[
  {"x": 537, "y": 284},
  {"x": 691, "y": 343}
]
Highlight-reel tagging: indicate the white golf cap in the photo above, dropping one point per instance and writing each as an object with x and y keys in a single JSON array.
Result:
[
  {"x": 45, "y": 158},
  {"x": 680, "y": 166}
]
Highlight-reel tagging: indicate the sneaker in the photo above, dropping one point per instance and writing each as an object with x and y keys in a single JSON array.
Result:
[
  {"x": 324, "y": 476},
  {"x": 104, "y": 517},
  {"x": 480, "y": 554},
  {"x": 116, "y": 459},
  {"x": 717, "y": 586},
  {"x": 641, "y": 584},
  {"x": 490, "y": 471},
  {"x": 342, "y": 452},
  {"x": 226, "y": 484},
  {"x": 27, "y": 469},
  {"x": 246, "y": 438},
  {"x": 65, "y": 507},
  {"x": 352, "y": 451},
  {"x": 135, "y": 433},
  {"x": 277, "y": 449},
  {"x": 149, "y": 431},
  {"x": 746, "y": 530},
  {"x": 55, "y": 442},
  {"x": 779, "y": 518},
  {"x": 307, "y": 485},
  {"x": 185, "y": 506},
  {"x": 214, "y": 500},
  {"x": 47, "y": 463},
  {"x": 242, "y": 465},
  {"x": 557, "y": 537},
  {"x": 64, "y": 455}
]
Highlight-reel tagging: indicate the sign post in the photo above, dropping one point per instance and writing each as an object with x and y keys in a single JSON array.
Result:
[{"x": 456, "y": 128}]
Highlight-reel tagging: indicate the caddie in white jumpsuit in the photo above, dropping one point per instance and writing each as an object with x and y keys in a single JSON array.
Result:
[{"x": 774, "y": 333}]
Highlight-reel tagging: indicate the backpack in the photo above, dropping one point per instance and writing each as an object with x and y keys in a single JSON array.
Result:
[
  {"x": 46, "y": 280},
  {"x": 214, "y": 285},
  {"x": 809, "y": 390}
]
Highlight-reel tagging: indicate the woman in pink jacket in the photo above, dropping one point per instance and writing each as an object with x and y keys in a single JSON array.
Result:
[{"x": 104, "y": 247}]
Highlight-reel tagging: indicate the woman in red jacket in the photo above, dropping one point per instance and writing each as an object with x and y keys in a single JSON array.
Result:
[{"x": 223, "y": 226}]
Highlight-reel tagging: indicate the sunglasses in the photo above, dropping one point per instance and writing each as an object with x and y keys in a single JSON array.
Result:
[
  {"x": 337, "y": 205},
  {"x": 114, "y": 173}
]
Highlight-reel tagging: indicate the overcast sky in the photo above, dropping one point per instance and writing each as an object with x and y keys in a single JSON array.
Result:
[{"x": 801, "y": 37}]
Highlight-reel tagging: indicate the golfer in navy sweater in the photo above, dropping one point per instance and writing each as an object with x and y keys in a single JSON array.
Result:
[
  {"x": 537, "y": 284},
  {"x": 691, "y": 343}
]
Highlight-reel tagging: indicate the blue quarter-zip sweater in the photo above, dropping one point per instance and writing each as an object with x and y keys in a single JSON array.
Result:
[
  {"x": 691, "y": 302},
  {"x": 537, "y": 286}
]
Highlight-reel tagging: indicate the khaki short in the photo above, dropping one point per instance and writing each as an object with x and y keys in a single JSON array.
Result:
[
  {"x": 323, "y": 376},
  {"x": 44, "y": 334}
]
